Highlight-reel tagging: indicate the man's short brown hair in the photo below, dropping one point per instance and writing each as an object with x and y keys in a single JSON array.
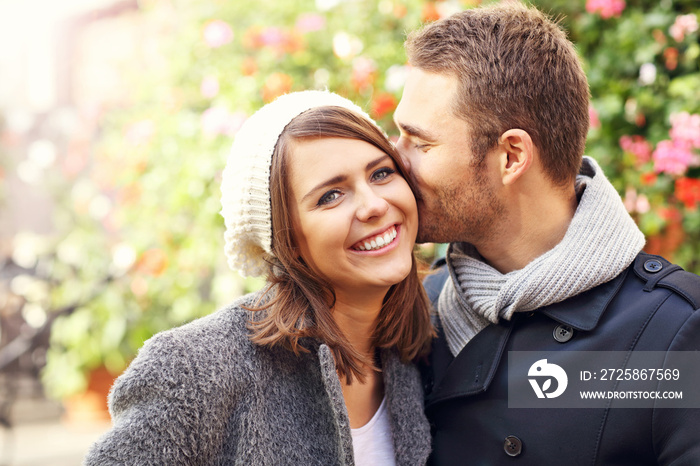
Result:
[{"x": 516, "y": 69}]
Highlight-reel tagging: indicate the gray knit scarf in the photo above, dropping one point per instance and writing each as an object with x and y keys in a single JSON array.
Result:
[{"x": 601, "y": 241}]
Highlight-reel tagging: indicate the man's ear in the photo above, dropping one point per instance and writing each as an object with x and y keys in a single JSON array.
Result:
[{"x": 517, "y": 154}]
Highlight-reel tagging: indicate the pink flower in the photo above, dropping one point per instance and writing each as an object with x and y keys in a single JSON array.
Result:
[
  {"x": 672, "y": 157},
  {"x": 273, "y": 37},
  {"x": 636, "y": 202},
  {"x": 686, "y": 128},
  {"x": 217, "y": 33},
  {"x": 606, "y": 8},
  {"x": 363, "y": 72},
  {"x": 637, "y": 146},
  {"x": 140, "y": 132},
  {"x": 209, "y": 87},
  {"x": 218, "y": 120},
  {"x": 593, "y": 117},
  {"x": 309, "y": 22},
  {"x": 683, "y": 25}
]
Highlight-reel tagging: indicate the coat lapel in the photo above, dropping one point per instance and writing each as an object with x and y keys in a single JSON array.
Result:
[
  {"x": 340, "y": 412},
  {"x": 409, "y": 426},
  {"x": 473, "y": 369}
]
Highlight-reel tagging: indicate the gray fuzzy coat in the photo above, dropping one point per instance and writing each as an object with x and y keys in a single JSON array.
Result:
[{"x": 203, "y": 394}]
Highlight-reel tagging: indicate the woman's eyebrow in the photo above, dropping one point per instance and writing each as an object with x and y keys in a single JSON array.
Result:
[
  {"x": 340, "y": 178},
  {"x": 376, "y": 162},
  {"x": 330, "y": 182}
]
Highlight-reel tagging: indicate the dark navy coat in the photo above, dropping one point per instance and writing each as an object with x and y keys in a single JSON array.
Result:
[{"x": 651, "y": 306}]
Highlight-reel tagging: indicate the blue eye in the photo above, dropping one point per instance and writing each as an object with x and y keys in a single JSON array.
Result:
[
  {"x": 329, "y": 197},
  {"x": 382, "y": 173}
]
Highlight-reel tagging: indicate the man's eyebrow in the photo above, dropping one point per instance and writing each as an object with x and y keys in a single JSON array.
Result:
[
  {"x": 340, "y": 178},
  {"x": 414, "y": 131}
]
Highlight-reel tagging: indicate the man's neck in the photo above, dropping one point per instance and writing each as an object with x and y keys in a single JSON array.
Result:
[{"x": 533, "y": 225}]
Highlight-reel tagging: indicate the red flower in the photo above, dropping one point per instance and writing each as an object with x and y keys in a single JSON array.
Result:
[
  {"x": 648, "y": 179},
  {"x": 276, "y": 85},
  {"x": 400, "y": 10},
  {"x": 671, "y": 58},
  {"x": 252, "y": 38},
  {"x": 430, "y": 12},
  {"x": 670, "y": 214},
  {"x": 152, "y": 262},
  {"x": 383, "y": 104},
  {"x": 688, "y": 192},
  {"x": 277, "y": 39},
  {"x": 363, "y": 73},
  {"x": 659, "y": 36},
  {"x": 249, "y": 66}
]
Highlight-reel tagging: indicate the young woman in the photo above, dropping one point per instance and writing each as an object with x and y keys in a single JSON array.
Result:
[{"x": 315, "y": 369}]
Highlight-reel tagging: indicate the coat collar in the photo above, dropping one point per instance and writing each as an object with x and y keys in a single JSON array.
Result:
[
  {"x": 473, "y": 369},
  {"x": 337, "y": 402},
  {"x": 409, "y": 426},
  {"x": 583, "y": 311}
]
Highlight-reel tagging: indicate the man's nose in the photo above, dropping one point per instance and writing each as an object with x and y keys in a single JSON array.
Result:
[{"x": 402, "y": 149}]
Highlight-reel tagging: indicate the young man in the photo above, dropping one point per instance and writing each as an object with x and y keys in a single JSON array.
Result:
[{"x": 543, "y": 256}]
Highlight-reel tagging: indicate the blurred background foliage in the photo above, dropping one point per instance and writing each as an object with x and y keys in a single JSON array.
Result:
[{"x": 139, "y": 243}]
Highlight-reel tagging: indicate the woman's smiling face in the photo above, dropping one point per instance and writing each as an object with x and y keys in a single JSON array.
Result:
[{"x": 355, "y": 218}]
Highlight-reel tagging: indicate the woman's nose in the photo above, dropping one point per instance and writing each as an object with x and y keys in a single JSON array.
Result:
[{"x": 370, "y": 205}]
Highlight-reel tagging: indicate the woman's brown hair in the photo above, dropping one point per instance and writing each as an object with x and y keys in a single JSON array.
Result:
[{"x": 298, "y": 302}]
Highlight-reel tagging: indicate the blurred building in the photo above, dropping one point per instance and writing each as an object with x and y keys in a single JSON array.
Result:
[{"x": 59, "y": 70}]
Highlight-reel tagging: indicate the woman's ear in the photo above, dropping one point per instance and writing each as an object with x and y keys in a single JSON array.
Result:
[{"x": 517, "y": 154}]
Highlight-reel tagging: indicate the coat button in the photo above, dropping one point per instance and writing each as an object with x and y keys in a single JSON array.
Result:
[
  {"x": 512, "y": 446},
  {"x": 563, "y": 333},
  {"x": 653, "y": 265}
]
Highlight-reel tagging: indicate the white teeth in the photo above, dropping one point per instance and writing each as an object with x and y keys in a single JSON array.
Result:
[{"x": 378, "y": 242}]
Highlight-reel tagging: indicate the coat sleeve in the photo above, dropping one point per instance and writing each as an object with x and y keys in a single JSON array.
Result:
[
  {"x": 676, "y": 430},
  {"x": 169, "y": 407}
]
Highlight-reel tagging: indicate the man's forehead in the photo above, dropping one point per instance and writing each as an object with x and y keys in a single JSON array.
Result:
[{"x": 426, "y": 104}]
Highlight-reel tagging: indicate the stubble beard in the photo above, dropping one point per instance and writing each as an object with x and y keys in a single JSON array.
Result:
[{"x": 461, "y": 214}]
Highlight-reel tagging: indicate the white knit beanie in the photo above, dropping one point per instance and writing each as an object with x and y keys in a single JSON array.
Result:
[{"x": 245, "y": 187}]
